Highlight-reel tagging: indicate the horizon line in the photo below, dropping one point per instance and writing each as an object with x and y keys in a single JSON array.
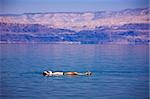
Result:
[{"x": 1, "y": 14}]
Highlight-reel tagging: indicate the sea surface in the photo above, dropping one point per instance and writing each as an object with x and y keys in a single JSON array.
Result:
[{"x": 118, "y": 71}]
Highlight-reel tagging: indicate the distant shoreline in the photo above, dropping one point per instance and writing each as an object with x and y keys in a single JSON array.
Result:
[{"x": 79, "y": 43}]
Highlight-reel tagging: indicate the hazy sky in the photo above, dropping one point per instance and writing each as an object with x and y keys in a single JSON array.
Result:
[{"x": 33, "y": 6}]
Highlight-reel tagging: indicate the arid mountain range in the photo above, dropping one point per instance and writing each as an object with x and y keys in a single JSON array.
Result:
[{"x": 129, "y": 26}]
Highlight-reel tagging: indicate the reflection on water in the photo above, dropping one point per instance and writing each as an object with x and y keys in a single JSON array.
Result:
[{"x": 119, "y": 71}]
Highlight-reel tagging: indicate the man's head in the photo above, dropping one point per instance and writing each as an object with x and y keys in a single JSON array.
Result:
[{"x": 47, "y": 73}]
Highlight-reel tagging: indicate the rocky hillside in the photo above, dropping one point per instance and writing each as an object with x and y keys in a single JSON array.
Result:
[{"x": 129, "y": 26}]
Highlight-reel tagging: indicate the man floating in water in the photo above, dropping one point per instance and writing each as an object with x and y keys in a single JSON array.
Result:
[{"x": 50, "y": 73}]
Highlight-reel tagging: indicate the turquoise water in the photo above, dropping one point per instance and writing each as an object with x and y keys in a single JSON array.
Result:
[{"x": 119, "y": 71}]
